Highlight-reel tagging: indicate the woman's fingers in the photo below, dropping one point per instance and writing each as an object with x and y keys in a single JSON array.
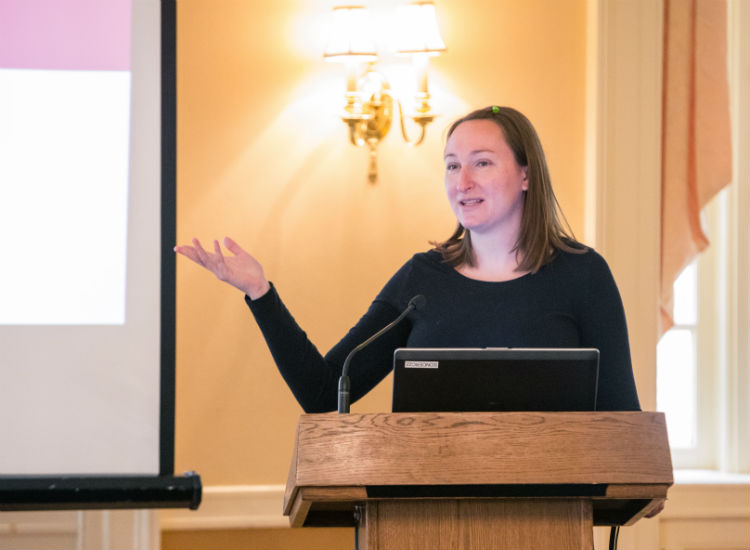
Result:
[
  {"x": 189, "y": 252},
  {"x": 220, "y": 268},
  {"x": 233, "y": 247},
  {"x": 240, "y": 270},
  {"x": 217, "y": 250},
  {"x": 202, "y": 254}
]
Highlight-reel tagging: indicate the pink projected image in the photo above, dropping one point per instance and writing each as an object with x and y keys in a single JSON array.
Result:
[
  {"x": 65, "y": 104},
  {"x": 65, "y": 34}
]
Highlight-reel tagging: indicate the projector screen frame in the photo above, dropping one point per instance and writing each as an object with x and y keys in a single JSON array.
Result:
[
  {"x": 168, "y": 234},
  {"x": 165, "y": 490}
]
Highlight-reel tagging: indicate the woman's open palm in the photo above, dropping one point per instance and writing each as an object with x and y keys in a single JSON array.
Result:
[{"x": 241, "y": 270}]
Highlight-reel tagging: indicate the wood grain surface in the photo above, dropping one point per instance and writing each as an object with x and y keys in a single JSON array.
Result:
[
  {"x": 338, "y": 457},
  {"x": 482, "y": 448},
  {"x": 471, "y": 524}
]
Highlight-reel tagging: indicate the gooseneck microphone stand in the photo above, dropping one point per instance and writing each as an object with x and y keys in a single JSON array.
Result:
[{"x": 416, "y": 302}]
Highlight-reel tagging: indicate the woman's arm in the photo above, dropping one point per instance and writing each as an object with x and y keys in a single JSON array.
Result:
[
  {"x": 603, "y": 326},
  {"x": 313, "y": 378}
]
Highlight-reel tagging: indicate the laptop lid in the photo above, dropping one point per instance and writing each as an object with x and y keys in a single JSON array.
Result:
[{"x": 494, "y": 379}]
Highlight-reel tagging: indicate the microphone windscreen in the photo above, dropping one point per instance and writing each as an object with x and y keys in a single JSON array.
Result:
[{"x": 418, "y": 302}]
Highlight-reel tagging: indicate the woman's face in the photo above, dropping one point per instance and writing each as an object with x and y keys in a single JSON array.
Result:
[{"x": 483, "y": 181}]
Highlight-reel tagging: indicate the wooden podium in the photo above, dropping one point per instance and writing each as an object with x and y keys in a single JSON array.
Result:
[{"x": 477, "y": 480}]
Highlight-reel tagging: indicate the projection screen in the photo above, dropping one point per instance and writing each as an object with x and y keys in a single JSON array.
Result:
[{"x": 87, "y": 187}]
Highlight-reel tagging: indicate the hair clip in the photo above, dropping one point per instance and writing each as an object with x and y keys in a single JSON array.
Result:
[{"x": 495, "y": 109}]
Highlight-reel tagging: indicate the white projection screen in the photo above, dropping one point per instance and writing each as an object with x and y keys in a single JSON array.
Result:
[{"x": 86, "y": 217}]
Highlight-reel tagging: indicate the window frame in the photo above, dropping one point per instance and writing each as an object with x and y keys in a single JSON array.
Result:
[{"x": 723, "y": 349}]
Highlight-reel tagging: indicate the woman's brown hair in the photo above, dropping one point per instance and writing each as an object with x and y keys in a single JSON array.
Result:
[{"x": 542, "y": 233}]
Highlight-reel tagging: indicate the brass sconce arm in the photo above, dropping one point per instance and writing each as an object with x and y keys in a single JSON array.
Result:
[
  {"x": 368, "y": 114},
  {"x": 422, "y": 117}
]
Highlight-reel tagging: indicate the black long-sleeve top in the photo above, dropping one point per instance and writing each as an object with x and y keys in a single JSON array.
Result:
[{"x": 572, "y": 301}]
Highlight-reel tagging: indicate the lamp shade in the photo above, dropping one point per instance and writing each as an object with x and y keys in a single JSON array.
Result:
[
  {"x": 418, "y": 29},
  {"x": 350, "y": 37}
]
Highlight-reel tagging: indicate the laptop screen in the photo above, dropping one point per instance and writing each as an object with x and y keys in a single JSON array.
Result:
[{"x": 494, "y": 379}]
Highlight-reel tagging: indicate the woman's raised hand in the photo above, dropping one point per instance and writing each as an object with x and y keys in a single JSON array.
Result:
[{"x": 240, "y": 270}]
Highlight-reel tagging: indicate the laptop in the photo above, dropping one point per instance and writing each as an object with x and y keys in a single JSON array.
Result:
[{"x": 494, "y": 379}]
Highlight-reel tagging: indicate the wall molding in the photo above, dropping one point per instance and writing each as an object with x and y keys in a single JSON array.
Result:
[
  {"x": 81, "y": 530},
  {"x": 231, "y": 507},
  {"x": 700, "y": 504},
  {"x": 719, "y": 503}
]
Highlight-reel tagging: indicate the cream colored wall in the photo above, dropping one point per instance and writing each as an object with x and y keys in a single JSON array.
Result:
[{"x": 263, "y": 157}]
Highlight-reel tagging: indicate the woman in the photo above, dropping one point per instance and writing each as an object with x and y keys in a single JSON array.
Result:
[{"x": 509, "y": 276}]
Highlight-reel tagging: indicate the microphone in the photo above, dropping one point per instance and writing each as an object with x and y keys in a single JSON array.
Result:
[{"x": 417, "y": 302}]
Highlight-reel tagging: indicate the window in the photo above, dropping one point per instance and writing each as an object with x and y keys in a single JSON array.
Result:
[
  {"x": 691, "y": 356},
  {"x": 677, "y": 380},
  {"x": 703, "y": 372}
]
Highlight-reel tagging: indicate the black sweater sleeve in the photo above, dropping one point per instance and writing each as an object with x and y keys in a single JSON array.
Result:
[
  {"x": 603, "y": 326},
  {"x": 312, "y": 377}
]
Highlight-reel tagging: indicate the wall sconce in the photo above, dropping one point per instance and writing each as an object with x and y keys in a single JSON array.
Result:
[{"x": 369, "y": 103}]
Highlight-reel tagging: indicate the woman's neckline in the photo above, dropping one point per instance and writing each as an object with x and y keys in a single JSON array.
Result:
[{"x": 490, "y": 281}]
